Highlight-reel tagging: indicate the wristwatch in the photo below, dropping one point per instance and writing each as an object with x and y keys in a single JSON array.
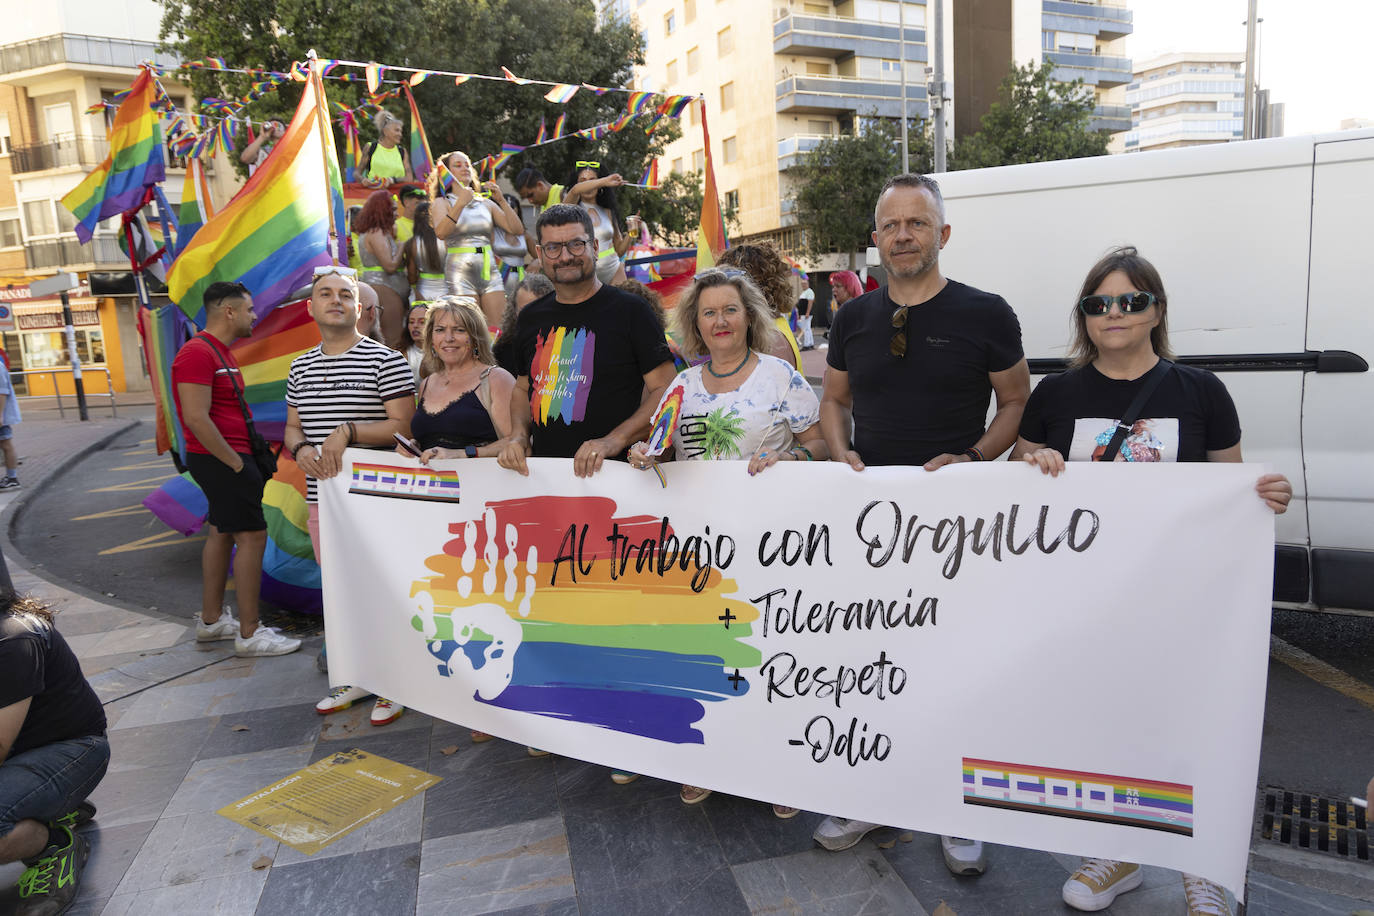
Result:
[{"x": 470, "y": 451}]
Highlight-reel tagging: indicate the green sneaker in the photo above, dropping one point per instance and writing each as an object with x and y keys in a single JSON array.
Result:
[
  {"x": 84, "y": 814},
  {"x": 49, "y": 886}
]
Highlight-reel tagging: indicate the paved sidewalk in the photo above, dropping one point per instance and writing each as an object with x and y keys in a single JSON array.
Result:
[{"x": 193, "y": 729}]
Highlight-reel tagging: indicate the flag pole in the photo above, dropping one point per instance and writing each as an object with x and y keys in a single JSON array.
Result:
[{"x": 326, "y": 136}]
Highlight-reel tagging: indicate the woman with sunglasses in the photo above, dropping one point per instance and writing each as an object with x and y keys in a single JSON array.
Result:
[
  {"x": 1121, "y": 345},
  {"x": 592, "y": 189},
  {"x": 384, "y": 162},
  {"x": 466, "y": 219},
  {"x": 740, "y": 404}
]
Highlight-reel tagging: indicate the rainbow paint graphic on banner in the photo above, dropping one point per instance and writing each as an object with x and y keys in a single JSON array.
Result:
[
  {"x": 561, "y": 375},
  {"x": 1124, "y": 800},
  {"x": 661, "y": 429},
  {"x": 625, "y": 637},
  {"x": 401, "y": 482}
]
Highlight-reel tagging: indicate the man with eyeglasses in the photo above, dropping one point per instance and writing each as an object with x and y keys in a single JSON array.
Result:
[
  {"x": 593, "y": 361},
  {"x": 348, "y": 390},
  {"x": 910, "y": 371}
]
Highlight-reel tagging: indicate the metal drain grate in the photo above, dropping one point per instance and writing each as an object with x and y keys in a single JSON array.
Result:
[{"x": 1329, "y": 825}]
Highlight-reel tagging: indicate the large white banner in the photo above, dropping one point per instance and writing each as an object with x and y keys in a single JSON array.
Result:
[{"x": 1074, "y": 664}]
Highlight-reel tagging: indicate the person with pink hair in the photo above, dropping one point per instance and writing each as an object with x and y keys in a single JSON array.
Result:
[{"x": 844, "y": 285}]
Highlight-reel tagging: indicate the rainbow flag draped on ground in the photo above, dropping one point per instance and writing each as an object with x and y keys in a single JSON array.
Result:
[
  {"x": 134, "y": 164},
  {"x": 196, "y": 203},
  {"x": 421, "y": 162},
  {"x": 711, "y": 237},
  {"x": 276, "y": 230}
]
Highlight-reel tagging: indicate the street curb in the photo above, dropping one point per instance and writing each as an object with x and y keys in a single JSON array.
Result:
[{"x": 16, "y": 560}]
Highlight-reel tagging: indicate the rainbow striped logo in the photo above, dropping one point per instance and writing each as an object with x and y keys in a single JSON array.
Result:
[
  {"x": 561, "y": 376},
  {"x": 404, "y": 483},
  {"x": 1123, "y": 800}
]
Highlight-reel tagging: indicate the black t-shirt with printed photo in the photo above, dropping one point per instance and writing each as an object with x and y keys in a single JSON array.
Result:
[
  {"x": 1075, "y": 413},
  {"x": 586, "y": 363},
  {"x": 935, "y": 399}
]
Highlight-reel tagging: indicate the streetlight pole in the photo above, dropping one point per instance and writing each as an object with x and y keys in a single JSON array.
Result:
[
  {"x": 937, "y": 106},
  {"x": 901, "y": 39},
  {"x": 1251, "y": 42}
]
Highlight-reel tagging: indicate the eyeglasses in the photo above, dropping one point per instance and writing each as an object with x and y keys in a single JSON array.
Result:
[
  {"x": 335, "y": 269},
  {"x": 582, "y": 164},
  {"x": 554, "y": 249},
  {"x": 721, "y": 273},
  {"x": 1130, "y": 303},
  {"x": 898, "y": 345}
]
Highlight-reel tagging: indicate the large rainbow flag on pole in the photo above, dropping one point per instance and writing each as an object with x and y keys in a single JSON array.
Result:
[
  {"x": 421, "y": 162},
  {"x": 278, "y": 228},
  {"x": 711, "y": 237},
  {"x": 135, "y": 162}
]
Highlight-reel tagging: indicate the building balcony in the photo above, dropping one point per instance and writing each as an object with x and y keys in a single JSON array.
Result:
[
  {"x": 79, "y": 50},
  {"x": 56, "y": 154},
  {"x": 792, "y": 149},
  {"x": 1104, "y": 20},
  {"x": 835, "y": 36},
  {"x": 1111, "y": 118},
  {"x": 70, "y": 254},
  {"x": 832, "y": 94},
  {"x": 1093, "y": 69}
]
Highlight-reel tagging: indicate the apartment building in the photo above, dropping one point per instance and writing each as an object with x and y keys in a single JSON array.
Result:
[
  {"x": 781, "y": 76},
  {"x": 57, "y": 61},
  {"x": 1186, "y": 99}
]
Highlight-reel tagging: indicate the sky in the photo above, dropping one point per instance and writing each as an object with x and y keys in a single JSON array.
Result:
[{"x": 1314, "y": 54}]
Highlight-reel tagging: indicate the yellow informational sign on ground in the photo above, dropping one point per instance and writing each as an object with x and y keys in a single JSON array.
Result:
[{"x": 315, "y": 806}]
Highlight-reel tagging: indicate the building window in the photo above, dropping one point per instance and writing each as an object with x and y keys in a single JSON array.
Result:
[
  {"x": 730, "y": 149},
  {"x": 1047, "y": 40},
  {"x": 732, "y": 200},
  {"x": 699, "y": 160},
  {"x": 725, "y": 41},
  {"x": 38, "y": 216},
  {"x": 693, "y": 60},
  {"x": 689, "y": 11},
  {"x": 817, "y": 68},
  {"x": 677, "y": 166},
  {"x": 10, "y": 234},
  {"x": 672, "y": 73},
  {"x": 819, "y": 128},
  {"x": 48, "y": 349},
  {"x": 727, "y": 96},
  {"x": 4, "y": 135},
  {"x": 670, "y": 22}
]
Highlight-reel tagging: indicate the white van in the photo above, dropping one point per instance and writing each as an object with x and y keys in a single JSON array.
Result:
[{"x": 1265, "y": 251}]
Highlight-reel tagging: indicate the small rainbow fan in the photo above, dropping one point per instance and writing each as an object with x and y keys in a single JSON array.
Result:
[{"x": 661, "y": 430}]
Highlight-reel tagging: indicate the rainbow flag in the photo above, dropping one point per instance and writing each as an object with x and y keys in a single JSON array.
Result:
[
  {"x": 196, "y": 203},
  {"x": 264, "y": 359},
  {"x": 421, "y": 162},
  {"x": 711, "y": 237},
  {"x": 163, "y": 331},
  {"x": 135, "y": 162},
  {"x": 675, "y": 105},
  {"x": 277, "y": 229},
  {"x": 543, "y": 131},
  {"x": 561, "y": 93},
  {"x": 638, "y": 101},
  {"x": 664, "y": 423},
  {"x": 558, "y": 127}
]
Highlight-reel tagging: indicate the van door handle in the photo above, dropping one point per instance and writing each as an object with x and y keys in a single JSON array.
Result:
[{"x": 1340, "y": 361}]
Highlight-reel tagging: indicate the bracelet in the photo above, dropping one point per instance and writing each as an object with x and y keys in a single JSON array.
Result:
[
  {"x": 973, "y": 452},
  {"x": 806, "y": 451},
  {"x": 352, "y": 432},
  {"x": 300, "y": 445}
]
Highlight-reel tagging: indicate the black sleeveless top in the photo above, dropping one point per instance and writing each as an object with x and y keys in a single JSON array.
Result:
[{"x": 461, "y": 423}]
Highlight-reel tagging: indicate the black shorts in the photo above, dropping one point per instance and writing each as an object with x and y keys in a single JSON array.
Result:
[{"x": 235, "y": 499}]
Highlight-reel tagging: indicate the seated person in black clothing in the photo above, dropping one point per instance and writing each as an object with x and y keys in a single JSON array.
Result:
[{"x": 53, "y": 753}]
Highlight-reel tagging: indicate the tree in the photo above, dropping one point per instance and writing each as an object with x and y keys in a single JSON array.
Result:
[
  {"x": 1035, "y": 119},
  {"x": 837, "y": 183},
  {"x": 558, "y": 40}
]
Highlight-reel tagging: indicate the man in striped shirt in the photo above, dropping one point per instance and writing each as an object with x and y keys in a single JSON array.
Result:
[{"x": 349, "y": 390}]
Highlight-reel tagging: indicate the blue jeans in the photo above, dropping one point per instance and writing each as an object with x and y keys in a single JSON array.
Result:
[{"x": 47, "y": 782}]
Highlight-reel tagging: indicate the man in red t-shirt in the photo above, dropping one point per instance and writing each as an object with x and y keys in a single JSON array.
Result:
[{"x": 206, "y": 385}]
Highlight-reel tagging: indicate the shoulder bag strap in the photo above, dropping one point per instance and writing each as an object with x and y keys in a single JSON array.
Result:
[
  {"x": 1123, "y": 426},
  {"x": 238, "y": 392}
]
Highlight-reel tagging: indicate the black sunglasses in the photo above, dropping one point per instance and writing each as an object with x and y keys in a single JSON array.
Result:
[
  {"x": 1130, "y": 303},
  {"x": 898, "y": 345}
]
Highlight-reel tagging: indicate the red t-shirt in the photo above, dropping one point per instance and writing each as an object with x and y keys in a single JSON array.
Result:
[{"x": 197, "y": 364}]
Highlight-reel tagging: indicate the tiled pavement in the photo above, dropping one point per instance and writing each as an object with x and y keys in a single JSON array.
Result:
[{"x": 502, "y": 833}]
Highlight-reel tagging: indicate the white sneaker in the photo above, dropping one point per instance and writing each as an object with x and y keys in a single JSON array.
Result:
[
  {"x": 837, "y": 833},
  {"x": 1204, "y": 898},
  {"x": 963, "y": 857},
  {"x": 1098, "y": 882},
  {"x": 341, "y": 698},
  {"x": 226, "y": 627},
  {"x": 385, "y": 711},
  {"x": 265, "y": 641}
]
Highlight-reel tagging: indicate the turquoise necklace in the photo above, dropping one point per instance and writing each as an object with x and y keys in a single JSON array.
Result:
[{"x": 713, "y": 372}]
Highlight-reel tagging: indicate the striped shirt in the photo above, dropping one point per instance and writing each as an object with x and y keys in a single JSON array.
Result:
[{"x": 353, "y": 385}]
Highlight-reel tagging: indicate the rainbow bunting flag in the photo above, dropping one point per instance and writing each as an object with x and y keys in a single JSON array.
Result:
[
  {"x": 675, "y": 105},
  {"x": 421, "y": 162},
  {"x": 638, "y": 101},
  {"x": 515, "y": 79},
  {"x": 196, "y": 205},
  {"x": 373, "y": 72},
  {"x": 135, "y": 162},
  {"x": 418, "y": 77},
  {"x": 540, "y": 137},
  {"x": 599, "y": 90},
  {"x": 278, "y": 228},
  {"x": 562, "y": 93},
  {"x": 653, "y": 122},
  {"x": 650, "y": 177},
  {"x": 558, "y": 127},
  {"x": 711, "y": 237},
  {"x": 461, "y": 78}
]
